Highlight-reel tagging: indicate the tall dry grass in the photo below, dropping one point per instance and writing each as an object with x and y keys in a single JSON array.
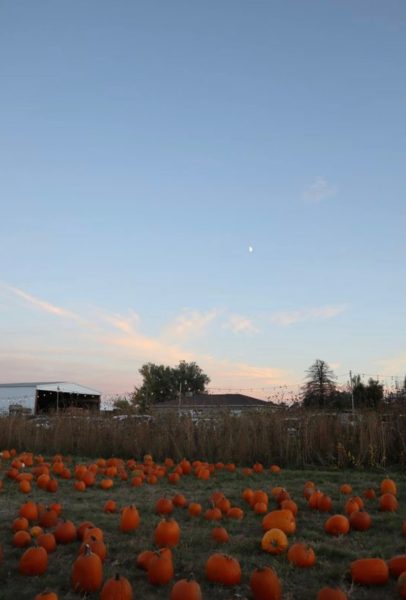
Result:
[{"x": 295, "y": 439}]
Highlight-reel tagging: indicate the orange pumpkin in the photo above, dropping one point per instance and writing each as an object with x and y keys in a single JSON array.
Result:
[
  {"x": 388, "y": 503},
  {"x": 397, "y": 564},
  {"x": 65, "y": 532},
  {"x": 160, "y": 568},
  {"x": 34, "y": 561},
  {"x": 167, "y": 534},
  {"x": 144, "y": 558},
  {"x": 337, "y": 525},
  {"x": 194, "y": 509},
  {"x": 220, "y": 535},
  {"x": 46, "y": 596},
  {"x": 360, "y": 520},
  {"x": 185, "y": 589},
  {"x": 47, "y": 541},
  {"x": 388, "y": 486},
  {"x": 87, "y": 572},
  {"x": 401, "y": 585},
  {"x": 21, "y": 539},
  {"x": 274, "y": 541},
  {"x": 223, "y": 569},
  {"x": 369, "y": 571},
  {"x": 117, "y": 588},
  {"x": 301, "y": 555},
  {"x": 265, "y": 584},
  {"x": 164, "y": 506},
  {"x": 280, "y": 519},
  {"x": 130, "y": 519}
]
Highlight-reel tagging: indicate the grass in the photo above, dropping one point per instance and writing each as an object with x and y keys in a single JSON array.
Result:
[{"x": 334, "y": 555}]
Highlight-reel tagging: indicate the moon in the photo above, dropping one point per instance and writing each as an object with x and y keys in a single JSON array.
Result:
[{"x": 250, "y": 249}]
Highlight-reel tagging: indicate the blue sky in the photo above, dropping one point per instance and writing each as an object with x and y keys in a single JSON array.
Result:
[{"x": 145, "y": 146}]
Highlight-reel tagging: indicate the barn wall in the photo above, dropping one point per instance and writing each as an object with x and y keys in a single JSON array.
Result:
[{"x": 25, "y": 396}]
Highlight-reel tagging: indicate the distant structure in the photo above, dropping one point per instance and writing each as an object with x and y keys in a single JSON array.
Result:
[
  {"x": 208, "y": 402},
  {"x": 42, "y": 397}
]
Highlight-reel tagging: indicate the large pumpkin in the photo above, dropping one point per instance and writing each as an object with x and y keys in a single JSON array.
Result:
[
  {"x": 34, "y": 561},
  {"x": 369, "y": 571},
  {"x": 397, "y": 564},
  {"x": 265, "y": 584},
  {"x": 160, "y": 568},
  {"x": 185, "y": 589},
  {"x": 87, "y": 572},
  {"x": 167, "y": 534},
  {"x": 223, "y": 569},
  {"x": 117, "y": 588},
  {"x": 337, "y": 525},
  {"x": 274, "y": 541},
  {"x": 280, "y": 519},
  {"x": 328, "y": 593},
  {"x": 301, "y": 555},
  {"x": 130, "y": 519}
]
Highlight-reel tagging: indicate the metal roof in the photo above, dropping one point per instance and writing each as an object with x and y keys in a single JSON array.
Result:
[{"x": 52, "y": 386}]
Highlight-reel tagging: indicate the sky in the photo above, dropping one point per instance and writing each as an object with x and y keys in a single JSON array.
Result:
[{"x": 218, "y": 182}]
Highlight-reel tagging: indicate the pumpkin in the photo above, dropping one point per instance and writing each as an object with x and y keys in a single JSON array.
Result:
[
  {"x": 46, "y": 596},
  {"x": 274, "y": 541},
  {"x": 164, "y": 506},
  {"x": 370, "y": 571},
  {"x": 388, "y": 502},
  {"x": 346, "y": 489},
  {"x": 21, "y": 539},
  {"x": 34, "y": 561},
  {"x": 130, "y": 519},
  {"x": 186, "y": 589},
  {"x": 223, "y": 569},
  {"x": 328, "y": 593},
  {"x": 110, "y": 506},
  {"x": 179, "y": 500},
  {"x": 29, "y": 510},
  {"x": 401, "y": 585},
  {"x": 325, "y": 503},
  {"x": 194, "y": 509},
  {"x": 20, "y": 524},
  {"x": 144, "y": 558},
  {"x": 360, "y": 520},
  {"x": 275, "y": 469},
  {"x": 314, "y": 499},
  {"x": 220, "y": 535},
  {"x": 259, "y": 496},
  {"x": 167, "y": 534},
  {"x": 265, "y": 584},
  {"x": 65, "y": 532},
  {"x": 369, "y": 494},
  {"x": 87, "y": 572},
  {"x": 301, "y": 555},
  {"x": 117, "y": 588},
  {"x": 260, "y": 508},
  {"x": 48, "y": 518},
  {"x": 280, "y": 519},
  {"x": 397, "y": 564},
  {"x": 337, "y": 525},
  {"x": 235, "y": 513},
  {"x": 160, "y": 568},
  {"x": 247, "y": 495},
  {"x": 388, "y": 486},
  {"x": 47, "y": 541},
  {"x": 96, "y": 546},
  {"x": 93, "y": 531},
  {"x": 213, "y": 514}
]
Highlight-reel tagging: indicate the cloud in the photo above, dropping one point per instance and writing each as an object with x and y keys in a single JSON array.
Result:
[
  {"x": 127, "y": 324},
  {"x": 307, "y": 314},
  {"x": 45, "y": 306},
  {"x": 319, "y": 190},
  {"x": 395, "y": 365},
  {"x": 190, "y": 323},
  {"x": 240, "y": 324}
]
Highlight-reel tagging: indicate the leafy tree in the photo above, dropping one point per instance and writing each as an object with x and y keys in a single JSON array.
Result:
[
  {"x": 162, "y": 383},
  {"x": 366, "y": 396},
  {"x": 320, "y": 389},
  {"x": 122, "y": 404}
]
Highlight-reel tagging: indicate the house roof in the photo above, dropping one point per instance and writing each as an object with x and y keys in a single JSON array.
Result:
[
  {"x": 214, "y": 400},
  {"x": 54, "y": 386}
]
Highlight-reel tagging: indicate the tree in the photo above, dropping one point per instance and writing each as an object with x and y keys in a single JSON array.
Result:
[
  {"x": 162, "y": 383},
  {"x": 320, "y": 389},
  {"x": 366, "y": 396}
]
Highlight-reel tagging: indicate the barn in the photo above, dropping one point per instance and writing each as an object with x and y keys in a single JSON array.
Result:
[{"x": 41, "y": 397}]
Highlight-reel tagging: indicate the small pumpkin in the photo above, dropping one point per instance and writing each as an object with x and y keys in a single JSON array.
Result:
[
  {"x": 274, "y": 541},
  {"x": 337, "y": 525},
  {"x": 160, "y": 568},
  {"x": 301, "y": 555},
  {"x": 47, "y": 541},
  {"x": 388, "y": 503},
  {"x": 167, "y": 534},
  {"x": 388, "y": 486},
  {"x": 130, "y": 519},
  {"x": 65, "y": 532},
  {"x": 220, "y": 535},
  {"x": 117, "y": 588},
  {"x": 360, "y": 520},
  {"x": 186, "y": 589}
]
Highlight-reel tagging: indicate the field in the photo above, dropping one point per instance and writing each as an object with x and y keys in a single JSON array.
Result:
[{"x": 333, "y": 554}]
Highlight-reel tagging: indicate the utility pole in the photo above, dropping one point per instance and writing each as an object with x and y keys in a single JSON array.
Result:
[
  {"x": 352, "y": 393},
  {"x": 180, "y": 395},
  {"x": 57, "y": 399}
]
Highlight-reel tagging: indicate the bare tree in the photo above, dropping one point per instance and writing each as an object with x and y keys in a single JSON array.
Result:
[{"x": 320, "y": 389}]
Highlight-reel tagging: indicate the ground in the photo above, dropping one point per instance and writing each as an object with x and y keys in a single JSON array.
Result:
[{"x": 334, "y": 555}]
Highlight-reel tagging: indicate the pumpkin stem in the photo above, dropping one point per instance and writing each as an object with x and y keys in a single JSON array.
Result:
[{"x": 117, "y": 577}]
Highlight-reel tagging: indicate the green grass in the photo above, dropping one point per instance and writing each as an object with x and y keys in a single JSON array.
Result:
[{"x": 334, "y": 555}]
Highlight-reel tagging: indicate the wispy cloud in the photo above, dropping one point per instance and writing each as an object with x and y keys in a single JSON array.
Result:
[
  {"x": 190, "y": 323},
  {"x": 307, "y": 314},
  {"x": 44, "y": 305},
  {"x": 240, "y": 324},
  {"x": 320, "y": 189}
]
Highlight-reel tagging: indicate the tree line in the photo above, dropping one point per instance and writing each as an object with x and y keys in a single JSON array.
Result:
[{"x": 161, "y": 383}]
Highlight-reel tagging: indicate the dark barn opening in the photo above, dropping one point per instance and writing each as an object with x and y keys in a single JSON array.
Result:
[{"x": 49, "y": 401}]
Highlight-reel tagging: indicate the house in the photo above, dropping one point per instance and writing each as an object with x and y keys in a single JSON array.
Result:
[
  {"x": 198, "y": 403},
  {"x": 41, "y": 397}
]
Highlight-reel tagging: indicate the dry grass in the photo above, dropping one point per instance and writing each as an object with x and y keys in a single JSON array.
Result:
[{"x": 295, "y": 439}]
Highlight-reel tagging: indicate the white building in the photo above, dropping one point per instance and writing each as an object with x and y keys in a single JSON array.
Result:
[{"x": 39, "y": 397}]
